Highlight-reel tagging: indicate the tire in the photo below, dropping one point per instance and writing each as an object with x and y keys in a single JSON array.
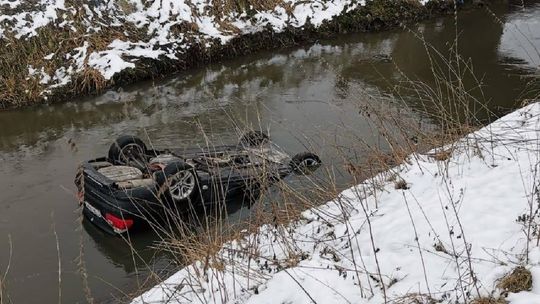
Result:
[
  {"x": 128, "y": 150},
  {"x": 178, "y": 183},
  {"x": 253, "y": 139},
  {"x": 251, "y": 195},
  {"x": 305, "y": 163}
]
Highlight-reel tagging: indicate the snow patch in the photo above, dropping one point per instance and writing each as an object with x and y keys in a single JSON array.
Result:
[
  {"x": 109, "y": 63},
  {"x": 10, "y": 4}
]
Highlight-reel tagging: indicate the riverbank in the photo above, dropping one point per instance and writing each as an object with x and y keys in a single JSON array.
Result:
[
  {"x": 56, "y": 49},
  {"x": 456, "y": 225}
]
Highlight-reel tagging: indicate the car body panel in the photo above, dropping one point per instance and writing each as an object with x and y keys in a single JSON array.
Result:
[{"x": 223, "y": 172}]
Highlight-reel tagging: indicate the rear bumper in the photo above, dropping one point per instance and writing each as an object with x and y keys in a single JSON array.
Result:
[
  {"x": 96, "y": 208},
  {"x": 100, "y": 197},
  {"x": 98, "y": 220}
]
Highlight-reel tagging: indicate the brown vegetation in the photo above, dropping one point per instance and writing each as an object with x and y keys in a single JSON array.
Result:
[
  {"x": 18, "y": 88},
  {"x": 520, "y": 279}
]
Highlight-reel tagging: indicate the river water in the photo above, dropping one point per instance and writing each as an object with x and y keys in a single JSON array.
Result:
[{"x": 306, "y": 96}]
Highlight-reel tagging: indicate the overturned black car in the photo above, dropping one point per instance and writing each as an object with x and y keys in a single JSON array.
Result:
[{"x": 135, "y": 185}]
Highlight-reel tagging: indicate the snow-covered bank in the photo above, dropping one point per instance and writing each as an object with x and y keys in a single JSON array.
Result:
[
  {"x": 451, "y": 230},
  {"x": 57, "y": 47}
]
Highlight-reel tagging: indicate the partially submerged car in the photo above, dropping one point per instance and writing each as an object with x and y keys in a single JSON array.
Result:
[{"x": 135, "y": 185}]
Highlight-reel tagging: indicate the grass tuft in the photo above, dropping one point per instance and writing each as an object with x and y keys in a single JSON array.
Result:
[{"x": 520, "y": 279}]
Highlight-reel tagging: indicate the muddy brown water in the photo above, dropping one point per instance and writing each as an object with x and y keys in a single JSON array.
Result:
[{"x": 308, "y": 97}]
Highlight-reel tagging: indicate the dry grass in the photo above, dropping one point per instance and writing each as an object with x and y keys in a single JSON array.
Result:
[
  {"x": 520, "y": 279},
  {"x": 223, "y": 8},
  {"x": 4, "y": 295},
  {"x": 18, "y": 88},
  {"x": 200, "y": 235},
  {"x": 401, "y": 185},
  {"x": 415, "y": 298}
]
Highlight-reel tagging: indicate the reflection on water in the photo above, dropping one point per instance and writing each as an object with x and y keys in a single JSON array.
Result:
[
  {"x": 307, "y": 97},
  {"x": 119, "y": 253},
  {"x": 521, "y": 38}
]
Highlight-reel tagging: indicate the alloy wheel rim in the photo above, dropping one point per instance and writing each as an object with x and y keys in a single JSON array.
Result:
[
  {"x": 182, "y": 185},
  {"x": 132, "y": 153},
  {"x": 308, "y": 163}
]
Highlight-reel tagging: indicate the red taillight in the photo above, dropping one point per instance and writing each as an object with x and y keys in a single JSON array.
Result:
[
  {"x": 119, "y": 225},
  {"x": 156, "y": 167}
]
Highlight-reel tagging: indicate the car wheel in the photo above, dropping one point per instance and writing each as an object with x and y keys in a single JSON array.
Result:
[
  {"x": 178, "y": 182},
  {"x": 128, "y": 150},
  {"x": 253, "y": 139},
  {"x": 251, "y": 195},
  {"x": 305, "y": 163}
]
